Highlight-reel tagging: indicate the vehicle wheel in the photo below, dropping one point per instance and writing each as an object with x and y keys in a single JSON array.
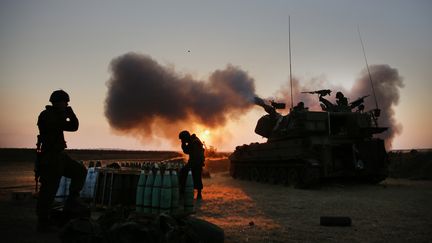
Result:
[
  {"x": 233, "y": 172},
  {"x": 246, "y": 173},
  {"x": 374, "y": 179},
  {"x": 283, "y": 177},
  {"x": 293, "y": 178},
  {"x": 241, "y": 174},
  {"x": 310, "y": 176},
  {"x": 265, "y": 174},
  {"x": 254, "y": 174},
  {"x": 274, "y": 175}
]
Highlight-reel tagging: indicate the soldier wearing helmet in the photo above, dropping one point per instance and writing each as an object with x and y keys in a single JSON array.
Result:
[
  {"x": 342, "y": 102},
  {"x": 192, "y": 145},
  {"x": 53, "y": 162},
  {"x": 300, "y": 107}
]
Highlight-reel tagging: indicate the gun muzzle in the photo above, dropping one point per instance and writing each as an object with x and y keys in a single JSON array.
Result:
[
  {"x": 278, "y": 106},
  {"x": 259, "y": 101}
]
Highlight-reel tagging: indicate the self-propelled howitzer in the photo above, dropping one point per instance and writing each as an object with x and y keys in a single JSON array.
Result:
[{"x": 305, "y": 146}]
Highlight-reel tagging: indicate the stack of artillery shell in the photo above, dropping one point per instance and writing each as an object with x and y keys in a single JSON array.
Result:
[
  {"x": 147, "y": 199},
  {"x": 155, "y": 203},
  {"x": 165, "y": 195},
  {"x": 88, "y": 190},
  {"x": 63, "y": 189},
  {"x": 140, "y": 192},
  {"x": 158, "y": 193},
  {"x": 189, "y": 194},
  {"x": 175, "y": 194}
]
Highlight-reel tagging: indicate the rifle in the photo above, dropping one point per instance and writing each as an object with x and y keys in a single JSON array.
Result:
[
  {"x": 37, "y": 165},
  {"x": 321, "y": 92},
  {"x": 357, "y": 102}
]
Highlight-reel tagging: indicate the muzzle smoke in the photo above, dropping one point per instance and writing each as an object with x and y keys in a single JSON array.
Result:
[{"x": 148, "y": 100}]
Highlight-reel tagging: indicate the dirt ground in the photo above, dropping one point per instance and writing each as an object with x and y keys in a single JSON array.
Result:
[
  {"x": 397, "y": 210},
  {"x": 393, "y": 211}
]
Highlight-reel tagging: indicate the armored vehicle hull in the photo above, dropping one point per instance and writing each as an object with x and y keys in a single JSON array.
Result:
[{"x": 304, "y": 147}]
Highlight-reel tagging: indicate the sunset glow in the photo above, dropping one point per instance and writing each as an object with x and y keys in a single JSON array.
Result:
[
  {"x": 205, "y": 136},
  {"x": 45, "y": 46}
]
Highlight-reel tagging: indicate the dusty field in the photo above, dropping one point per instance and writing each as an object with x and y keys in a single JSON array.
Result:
[{"x": 396, "y": 210}]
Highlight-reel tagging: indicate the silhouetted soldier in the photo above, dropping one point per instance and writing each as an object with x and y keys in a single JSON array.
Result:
[
  {"x": 193, "y": 146},
  {"x": 53, "y": 162},
  {"x": 342, "y": 102},
  {"x": 300, "y": 107},
  {"x": 328, "y": 106}
]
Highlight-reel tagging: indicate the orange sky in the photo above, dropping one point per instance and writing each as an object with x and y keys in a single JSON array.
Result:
[{"x": 54, "y": 45}]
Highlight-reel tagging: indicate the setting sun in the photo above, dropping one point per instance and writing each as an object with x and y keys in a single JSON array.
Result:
[{"x": 205, "y": 136}]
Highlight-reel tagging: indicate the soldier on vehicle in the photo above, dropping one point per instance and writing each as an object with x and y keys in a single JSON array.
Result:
[
  {"x": 341, "y": 99},
  {"x": 192, "y": 145},
  {"x": 342, "y": 102},
  {"x": 326, "y": 105},
  {"x": 53, "y": 162},
  {"x": 300, "y": 107}
]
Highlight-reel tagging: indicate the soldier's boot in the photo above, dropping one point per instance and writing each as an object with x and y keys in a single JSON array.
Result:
[
  {"x": 74, "y": 207},
  {"x": 44, "y": 225},
  {"x": 199, "y": 195}
]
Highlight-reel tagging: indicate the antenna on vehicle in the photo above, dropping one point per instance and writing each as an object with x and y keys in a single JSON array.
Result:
[
  {"x": 367, "y": 67},
  {"x": 289, "y": 48},
  {"x": 376, "y": 112}
]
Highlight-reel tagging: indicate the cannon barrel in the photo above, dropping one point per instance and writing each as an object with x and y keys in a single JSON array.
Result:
[
  {"x": 270, "y": 109},
  {"x": 358, "y": 101}
]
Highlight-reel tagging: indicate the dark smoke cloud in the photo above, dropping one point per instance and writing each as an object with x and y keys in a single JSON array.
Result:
[
  {"x": 387, "y": 84},
  {"x": 148, "y": 100}
]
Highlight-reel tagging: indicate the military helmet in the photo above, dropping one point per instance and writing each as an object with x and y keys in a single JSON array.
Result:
[
  {"x": 184, "y": 135},
  {"x": 339, "y": 95},
  {"x": 58, "y": 96}
]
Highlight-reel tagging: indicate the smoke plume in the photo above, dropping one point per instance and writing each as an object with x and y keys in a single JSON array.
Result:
[
  {"x": 387, "y": 83},
  {"x": 148, "y": 100}
]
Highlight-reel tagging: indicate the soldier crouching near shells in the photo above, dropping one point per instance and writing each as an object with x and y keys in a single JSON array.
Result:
[{"x": 194, "y": 147}]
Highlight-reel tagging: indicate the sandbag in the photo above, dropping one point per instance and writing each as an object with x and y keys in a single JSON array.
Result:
[{"x": 82, "y": 230}]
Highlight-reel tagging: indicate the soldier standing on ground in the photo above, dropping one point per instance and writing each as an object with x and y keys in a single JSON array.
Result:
[
  {"x": 193, "y": 146},
  {"x": 53, "y": 162}
]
